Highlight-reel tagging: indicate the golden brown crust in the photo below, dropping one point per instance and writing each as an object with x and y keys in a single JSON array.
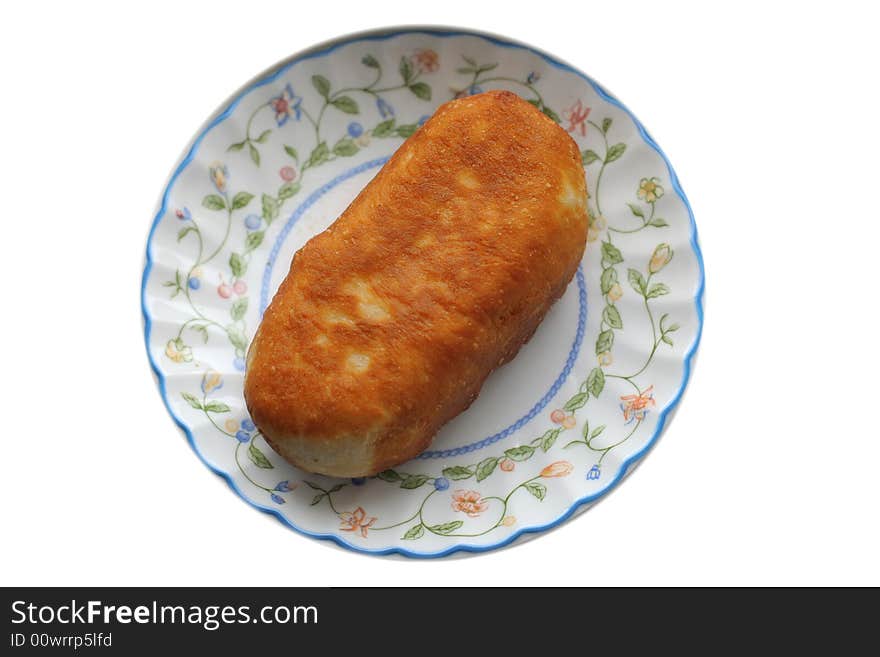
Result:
[{"x": 390, "y": 320}]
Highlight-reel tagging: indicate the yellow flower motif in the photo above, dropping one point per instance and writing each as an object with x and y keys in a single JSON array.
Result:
[
  {"x": 661, "y": 257},
  {"x": 231, "y": 425},
  {"x": 650, "y": 189},
  {"x": 363, "y": 141},
  {"x": 605, "y": 359},
  {"x": 615, "y": 292},
  {"x": 178, "y": 351},
  {"x": 509, "y": 521},
  {"x": 211, "y": 381},
  {"x": 219, "y": 175},
  {"x": 569, "y": 422},
  {"x": 557, "y": 469}
]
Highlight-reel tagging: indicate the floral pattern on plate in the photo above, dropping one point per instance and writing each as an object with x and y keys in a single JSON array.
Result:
[{"x": 288, "y": 143}]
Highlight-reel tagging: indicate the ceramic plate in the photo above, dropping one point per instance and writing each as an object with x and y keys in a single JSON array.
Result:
[{"x": 554, "y": 429}]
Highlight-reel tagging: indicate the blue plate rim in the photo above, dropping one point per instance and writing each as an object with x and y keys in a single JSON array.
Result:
[{"x": 382, "y": 34}]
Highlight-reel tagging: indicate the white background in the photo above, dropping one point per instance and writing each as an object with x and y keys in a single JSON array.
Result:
[{"x": 767, "y": 475}]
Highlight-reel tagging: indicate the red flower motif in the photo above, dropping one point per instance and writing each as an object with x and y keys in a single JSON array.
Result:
[
  {"x": 426, "y": 61},
  {"x": 635, "y": 407},
  {"x": 576, "y": 115},
  {"x": 356, "y": 520},
  {"x": 469, "y": 502}
]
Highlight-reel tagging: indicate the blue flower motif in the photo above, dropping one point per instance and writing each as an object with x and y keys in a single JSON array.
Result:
[
  {"x": 247, "y": 424},
  {"x": 475, "y": 89},
  {"x": 424, "y": 119},
  {"x": 358, "y": 481},
  {"x": 594, "y": 473},
  {"x": 283, "y": 486},
  {"x": 183, "y": 214},
  {"x": 286, "y": 105},
  {"x": 384, "y": 107},
  {"x": 238, "y": 363},
  {"x": 533, "y": 77},
  {"x": 194, "y": 283},
  {"x": 355, "y": 129},
  {"x": 441, "y": 483},
  {"x": 243, "y": 436},
  {"x": 277, "y": 498},
  {"x": 253, "y": 221}
]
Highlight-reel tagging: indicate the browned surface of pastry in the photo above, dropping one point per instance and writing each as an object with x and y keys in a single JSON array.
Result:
[{"x": 440, "y": 270}]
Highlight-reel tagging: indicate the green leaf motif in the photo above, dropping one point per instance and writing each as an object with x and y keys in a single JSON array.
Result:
[
  {"x": 321, "y": 84},
  {"x": 614, "y": 153},
  {"x": 241, "y": 200},
  {"x": 270, "y": 208},
  {"x": 405, "y": 69},
  {"x": 236, "y": 337},
  {"x": 237, "y": 265},
  {"x": 318, "y": 155},
  {"x": 255, "y": 154},
  {"x": 457, "y": 473},
  {"x": 414, "y": 481},
  {"x": 606, "y": 123},
  {"x": 553, "y": 115},
  {"x": 589, "y": 156},
  {"x": 486, "y": 467},
  {"x": 236, "y": 147},
  {"x": 290, "y": 150},
  {"x": 612, "y": 317},
  {"x": 414, "y": 532},
  {"x": 288, "y": 190},
  {"x": 313, "y": 486},
  {"x": 537, "y": 489},
  {"x": 611, "y": 253},
  {"x": 239, "y": 308},
  {"x": 657, "y": 290},
  {"x": 577, "y": 401},
  {"x": 421, "y": 90},
  {"x": 665, "y": 338},
  {"x": 186, "y": 230},
  {"x": 192, "y": 400},
  {"x": 521, "y": 453},
  {"x": 549, "y": 438},
  {"x": 370, "y": 61},
  {"x": 608, "y": 279},
  {"x": 264, "y": 136},
  {"x": 345, "y": 147},
  {"x": 316, "y": 499},
  {"x": 384, "y": 129},
  {"x": 636, "y": 210},
  {"x": 336, "y": 488},
  {"x": 657, "y": 222},
  {"x": 447, "y": 527},
  {"x": 258, "y": 458},
  {"x": 345, "y": 104},
  {"x": 214, "y": 202},
  {"x": 605, "y": 341},
  {"x": 201, "y": 328},
  {"x": 596, "y": 381},
  {"x": 254, "y": 240},
  {"x": 597, "y": 431},
  {"x": 636, "y": 280},
  {"x": 216, "y": 407},
  {"x": 407, "y": 130},
  {"x": 388, "y": 475}
]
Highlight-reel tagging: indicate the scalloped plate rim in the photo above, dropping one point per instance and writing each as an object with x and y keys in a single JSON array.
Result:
[{"x": 326, "y": 47}]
